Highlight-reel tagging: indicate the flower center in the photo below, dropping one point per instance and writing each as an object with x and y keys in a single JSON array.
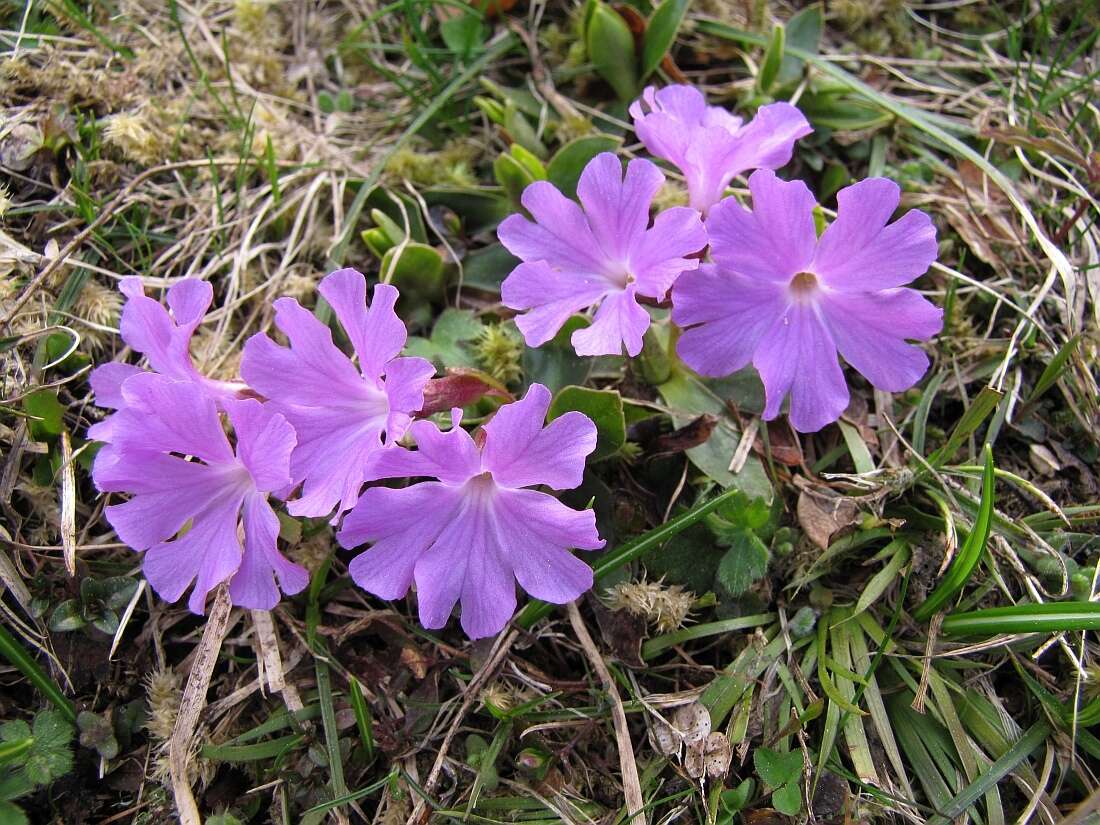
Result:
[{"x": 803, "y": 285}]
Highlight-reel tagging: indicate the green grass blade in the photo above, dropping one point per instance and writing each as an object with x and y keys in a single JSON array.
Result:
[
  {"x": 11, "y": 650},
  {"x": 700, "y": 631},
  {"x": 970, "y": 553},
  {"x": 1055, "y": 368},
  {"x": 362, "y": 717},
  {"x": 1049, "y": 617},
  {"x": 994, "y": 774},
  {"x": 980, "y": 408}
]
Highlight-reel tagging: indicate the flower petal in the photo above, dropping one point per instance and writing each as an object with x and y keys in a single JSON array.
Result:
[
  {"x": 618, "y": 208},
  {"x": 313, "y": 371},
  {"x": 450, "y": 456},
  {"x": 167, "y": 491},
  {"x": 859, "y": 252},
  {"x": 146, "y": 326},
  {"x": 665, "y": 128},
  {"x": 467, "y": 561},
  {"x": 334, "y": 446},
  {"x": 208, "y": 554},
  {"x": 170, "y": 416},
  {"x": 797, "y": 355},
  {"x": 520, "y": 451},
  {"x": 107, "y": 381},
  {"x": 376, "y": 333},
  {"x": 537, "y": 531},
  {"x": 774, "y": 241},
  {"x": 189, "y": 299},
  {"x": 265, "y": 441},
  {"x": 619, "y": 322},
  {"x": 406, "y": 379},
  {"x": 403, "y": 524},
  {"x": 550, "y": 297},
  {"x": 661, "y": 255},
  {"x": 254, "y": 584},
  {"x": 724, "y": 316},
  {"x": 870, "y": 331},
  {"x": 767, "y": 141},
  {"x": 560, "y": 234}
]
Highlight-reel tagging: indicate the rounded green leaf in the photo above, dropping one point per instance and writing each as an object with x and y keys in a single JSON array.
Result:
[
  {"x": 604, "y": 407},
  {"x": 611, "y": 49},
  {"x": 660, "y": 33},
  {"x": 416, "y": 269}
]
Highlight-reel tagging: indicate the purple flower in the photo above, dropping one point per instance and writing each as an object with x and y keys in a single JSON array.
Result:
[
  {"x": 778, "y": 296},
  {"x": 469, "y": 535},
  {"x": 605, "y": 254},
  {"x": 164, "y": 340},
  {"x": 708, "y": 144},
  {"x": 221, "y": 496},
  {"x": 343, "y": 414}
]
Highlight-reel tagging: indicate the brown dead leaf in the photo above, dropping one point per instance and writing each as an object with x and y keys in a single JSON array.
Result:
[
  {"x": 783, "y": 444},
  {"x": 979, "y": 211},
  {"x": 823, "y": 514},
  {"x": 690, "y": 435}
]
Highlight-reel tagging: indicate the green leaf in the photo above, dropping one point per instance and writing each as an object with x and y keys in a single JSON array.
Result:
[
  {"x": 555, "y": 364},
  {"x": 689, "y": 397},
  {"x": 11, "y": 650},
  {"x": 12, "y": 814},
  {"x": 983, "y": 404},
  {"x": 452, "y": 329},
  {"x": 417, "y": 270},
  {"x": 884, "y": 578},
  {"x": 529, "y": 161},
  {"x": 15, "y": 731},
  {"x": 773, "y": 58},
  {"x": 611, "y": 49},
  {"x": 520, "y": 130},
  {"x": 464, "y": 34},
  {"x": 788, "y": 799},
  {"x": 1055, "y": 368},
  {"x": 564, "y": 169},
  {"x": 660, "y": 33},
  {"x": 631, "y": 550},
  {"x": 51, "y": 755},
  {"x": 966, "y": 560},
  {"x": 1047, "y": 617},
  {"x": 487, "y": 268},
  {"x": 45, "y": 413},
  {"x": 745, "y": 563},
  {"x": 747, "y": 513},
  {"x": 480, "y": 209},
  {"x": 775, "y": 768},
  {"x": 97, "y": 732},
  {"x": 603, "y": 407},
  {"x": 512, "y": 176},
  {"x": 737, "y": 798},
  {"x": 67, "y": 616},
  {"x": 803, "y": 32},
  {"x": 843, "y": 114}
]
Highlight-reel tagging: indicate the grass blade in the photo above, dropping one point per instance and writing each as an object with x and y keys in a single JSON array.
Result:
[
  {"x": 1050, "y": 617},
  {"x": 970, "y": 554},
  {"x": 994, "y": 774},
  {"x": 11, "y": 650}
]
